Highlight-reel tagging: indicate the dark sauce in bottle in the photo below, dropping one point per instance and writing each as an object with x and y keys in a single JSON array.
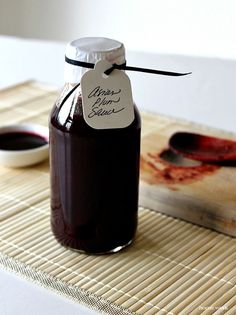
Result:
[
  {"x": 21, "y": 140},
  {"x": 94, "y": 182}
]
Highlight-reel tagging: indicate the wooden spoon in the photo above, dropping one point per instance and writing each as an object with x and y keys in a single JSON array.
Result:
[{"x": 203, "y": 148}]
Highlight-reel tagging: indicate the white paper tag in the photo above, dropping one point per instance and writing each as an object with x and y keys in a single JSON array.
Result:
[{"x": 107, "y": 100}]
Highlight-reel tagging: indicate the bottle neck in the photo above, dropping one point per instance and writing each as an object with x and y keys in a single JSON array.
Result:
[{"x": 73, "y": 74}]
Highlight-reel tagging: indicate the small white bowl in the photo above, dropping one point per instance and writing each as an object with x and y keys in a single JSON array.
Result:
[{"x": 22, "y": 158}]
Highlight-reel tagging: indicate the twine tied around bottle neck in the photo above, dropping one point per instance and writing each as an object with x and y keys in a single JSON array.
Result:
[{"x": 123, "y": 66}]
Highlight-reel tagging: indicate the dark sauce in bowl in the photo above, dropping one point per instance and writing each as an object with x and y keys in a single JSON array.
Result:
[{"x": 21, "y": 140}]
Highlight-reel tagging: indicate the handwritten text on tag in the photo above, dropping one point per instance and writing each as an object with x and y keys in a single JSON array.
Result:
[{"x": 107, "y": 100}]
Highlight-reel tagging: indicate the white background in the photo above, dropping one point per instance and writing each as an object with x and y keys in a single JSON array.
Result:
[
  {"x": 190, "y": 27},
  {"x": 175, "y": 35}
]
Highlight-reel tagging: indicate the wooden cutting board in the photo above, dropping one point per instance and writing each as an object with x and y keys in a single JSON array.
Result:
[{"x": 202, "y": 194}]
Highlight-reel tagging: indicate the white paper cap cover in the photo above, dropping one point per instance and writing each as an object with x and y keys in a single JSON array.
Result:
[{"x": 92, "y": 49}]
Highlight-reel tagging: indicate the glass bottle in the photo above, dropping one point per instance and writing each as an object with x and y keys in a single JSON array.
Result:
[{"x": 94, "y": 172}]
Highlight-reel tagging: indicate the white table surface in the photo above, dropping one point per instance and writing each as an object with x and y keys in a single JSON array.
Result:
[
  {"x": 208, "y": 96},
  {"x": 21, "y": 297}
]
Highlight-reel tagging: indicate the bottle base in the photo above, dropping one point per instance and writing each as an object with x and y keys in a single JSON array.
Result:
[
  {"x": 110, "y": 251},
  {"x": 99, "y": 245}
]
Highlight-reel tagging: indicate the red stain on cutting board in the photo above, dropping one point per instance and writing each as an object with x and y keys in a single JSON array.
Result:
[{"x": 155, "y": 170}]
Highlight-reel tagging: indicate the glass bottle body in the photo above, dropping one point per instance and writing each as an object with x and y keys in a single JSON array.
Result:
[{"x": 94, "y": 179}]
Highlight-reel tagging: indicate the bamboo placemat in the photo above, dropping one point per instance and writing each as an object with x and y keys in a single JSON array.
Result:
[{"x": 173, "y": 267}]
